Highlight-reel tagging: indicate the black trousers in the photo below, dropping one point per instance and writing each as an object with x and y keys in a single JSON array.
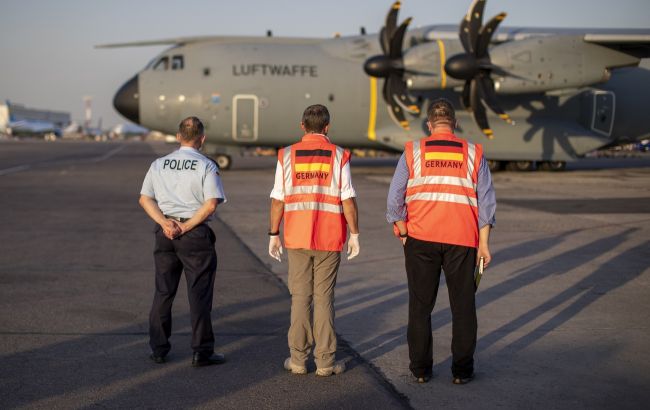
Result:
[
  {"x": 424, "y": 260},
  {"x": 194, "y": 253}
]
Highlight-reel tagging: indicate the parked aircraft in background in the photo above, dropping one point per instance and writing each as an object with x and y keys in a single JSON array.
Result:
[
  {"x": 33, "y": 128},
  {"x": 127, "y": 130},
  {"x": 530, "y": 96},
  {"x": 20, "y": 121}
]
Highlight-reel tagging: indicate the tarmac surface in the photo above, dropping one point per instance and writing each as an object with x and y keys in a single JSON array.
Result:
[{"x": 563, "y": 309}]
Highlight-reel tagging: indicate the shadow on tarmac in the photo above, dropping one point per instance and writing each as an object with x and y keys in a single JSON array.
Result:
[
  {"x": 589, "y": 289},
  {"x": 639, "y": 205},
  {"x": 74, "y": 272}
]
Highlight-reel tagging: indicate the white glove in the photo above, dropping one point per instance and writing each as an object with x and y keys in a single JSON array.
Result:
[
  {"x": 353, "y": 245},
  {"x": 275, "y": 247}
]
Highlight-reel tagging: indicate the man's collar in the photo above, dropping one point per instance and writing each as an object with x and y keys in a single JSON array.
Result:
[
  {"x": 187, "y": 148},
  {"x": 442, "y": 135},
  {"x": 313, "y": 137}
]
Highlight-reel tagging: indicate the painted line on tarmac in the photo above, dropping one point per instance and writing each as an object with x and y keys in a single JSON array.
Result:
[
  {"x": 95, "y": 160},
  {"x": 13, "y": 170},
  {"x": 107, "y": 155}
]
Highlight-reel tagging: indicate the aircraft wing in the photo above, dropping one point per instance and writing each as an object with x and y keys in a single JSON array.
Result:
[
  {"x": 637, "y": 45},
  {"x": 635, "y": 42},
  {"x": 217, "y": 39}
]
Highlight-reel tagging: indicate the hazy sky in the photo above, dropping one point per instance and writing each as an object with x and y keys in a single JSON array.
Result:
[{"x": 47, "y": 59}]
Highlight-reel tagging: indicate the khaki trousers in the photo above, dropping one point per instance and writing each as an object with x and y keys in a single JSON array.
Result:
[{"x": 312, "y": 276}]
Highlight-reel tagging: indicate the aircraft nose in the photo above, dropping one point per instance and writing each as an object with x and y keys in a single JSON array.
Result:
[{"x": 127, "y": 100}]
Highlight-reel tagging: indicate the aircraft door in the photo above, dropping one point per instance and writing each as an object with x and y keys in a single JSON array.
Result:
[
  {"x": 245, "y": 114},
  {"x": 603, "y": 112}
]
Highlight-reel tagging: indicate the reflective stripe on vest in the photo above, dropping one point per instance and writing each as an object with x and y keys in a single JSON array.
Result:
[
  {"x": 441, "y": 203},
  {"x": 418, "y": 179},
  {"x": 442, "y": 196},
  {"x": 313, "y": 206},
  {"x": 313, "y": 213},
  {"x": 333, "y": 190}
]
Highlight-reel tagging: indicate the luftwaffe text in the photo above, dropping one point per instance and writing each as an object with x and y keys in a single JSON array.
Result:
[{"x": 280, "y": 70}]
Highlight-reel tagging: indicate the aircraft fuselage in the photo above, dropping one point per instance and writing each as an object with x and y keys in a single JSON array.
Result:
[{"x": 253, "y": 91}]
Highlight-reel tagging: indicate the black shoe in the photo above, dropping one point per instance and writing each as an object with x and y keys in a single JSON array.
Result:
[
  {"x": 423, "y": 379},
  {"x": 199, "y": 360},
  {"x": 157, "y": 359},
  {"x": 463, "y": 380}
]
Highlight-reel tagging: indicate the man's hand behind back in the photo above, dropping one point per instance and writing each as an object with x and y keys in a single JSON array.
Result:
[{"x": 171, "y": 229}]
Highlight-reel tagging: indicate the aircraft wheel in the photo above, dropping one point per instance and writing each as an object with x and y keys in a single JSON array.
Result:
[
  {"x": 522, "y": 166},
  {"x": 553, "y": 166},
  {"x": 494, "y": 165},
  {"x": 223, "y": 161}
]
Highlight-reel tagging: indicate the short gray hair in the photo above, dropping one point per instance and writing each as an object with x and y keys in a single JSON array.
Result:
[{"x": 441, "y": 111}]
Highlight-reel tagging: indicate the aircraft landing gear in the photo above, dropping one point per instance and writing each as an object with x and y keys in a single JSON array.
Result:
[
  {"x": 552, "y": 166},
  {"x": 224, "y": 161},
  {"x": 495, "y": 165},
  {"x": 522, "y": 166}
]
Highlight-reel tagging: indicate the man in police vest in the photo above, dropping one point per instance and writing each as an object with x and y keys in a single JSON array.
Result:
[
  {"x": 313, "y": 192},
  {"x": 442, "y": 204},
  {"x": 180, "y": 193}
]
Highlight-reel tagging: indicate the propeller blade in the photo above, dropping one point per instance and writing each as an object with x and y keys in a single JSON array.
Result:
[
  {"x": 480, "y": 117},
  {"x": 391, "y": 23},
  {"x": 385, "y": 92},
  {"x": 463, "y": 34},
  {"x": 384, "y": 42},
  {"x": 396, "y": 111},
  {"x": 465, "y": 97},
  {"x": 398, "y": 116},
  {"x": 398, "y": 39},
  {"x": 398, "y": 92},
  {"x": 474, "y": 19},
  {"x": 485, "y": 34},
  {"x": 487, "y": 93},
  {"x": 390, "y": 65},
  {"x": 475, "y": 66}
]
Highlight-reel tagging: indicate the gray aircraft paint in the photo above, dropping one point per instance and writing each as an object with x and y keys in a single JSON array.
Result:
[{"x": 569, "y": 120}]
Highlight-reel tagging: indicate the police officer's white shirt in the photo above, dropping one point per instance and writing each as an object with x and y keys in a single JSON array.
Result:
[
  {"x": 182, "y": 181},
  {"x": 347, "y": 190}
]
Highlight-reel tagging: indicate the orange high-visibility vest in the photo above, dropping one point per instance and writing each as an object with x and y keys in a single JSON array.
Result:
[
  {"x": 441, "y": 199},
  {"x": 313, "y": 210}
]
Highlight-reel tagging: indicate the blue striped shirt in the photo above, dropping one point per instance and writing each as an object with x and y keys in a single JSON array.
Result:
[{"x": 487, "y": 201}]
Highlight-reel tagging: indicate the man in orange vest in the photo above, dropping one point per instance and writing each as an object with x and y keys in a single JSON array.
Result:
[
  {"x": 442, "y": 204},
  {"x": 313, "y": 192}
]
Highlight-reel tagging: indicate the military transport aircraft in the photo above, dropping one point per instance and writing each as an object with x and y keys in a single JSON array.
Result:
[{"x": 552, "y": 94}]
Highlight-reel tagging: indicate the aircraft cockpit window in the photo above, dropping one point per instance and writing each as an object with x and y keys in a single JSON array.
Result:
[
  {"x": 177, "y": 62},
  {"x": 162, "y": 64}
]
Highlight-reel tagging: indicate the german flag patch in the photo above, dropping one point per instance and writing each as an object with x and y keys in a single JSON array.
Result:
[
  {"x": 442, "y": 150},
  {"x": 313, "y": 160}
]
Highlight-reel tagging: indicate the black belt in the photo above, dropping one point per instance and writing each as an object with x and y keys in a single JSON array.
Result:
[{"x": 177, "y": 218}]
